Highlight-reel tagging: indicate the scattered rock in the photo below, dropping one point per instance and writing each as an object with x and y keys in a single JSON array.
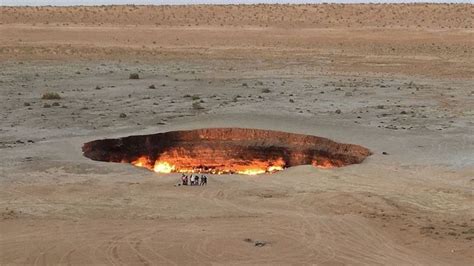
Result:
[
  {"x": 256, "y": 243},
  {"x": 385, "y": 153},
  {"x": 197, "y": 106},
  {"x": 152, "y": 87},
  {"x": 338, "y": 111},
  {"x": 47, "y": 105},
  {"x": 122, "y": 115}
]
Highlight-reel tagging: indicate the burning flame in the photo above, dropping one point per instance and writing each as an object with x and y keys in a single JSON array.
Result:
[
  {"x": 163, "y": 167},
  {"x": 170, "y": 164},
  {"x": 274, "y": 168},
  {"x": 324, "y": 164},
  {"x": 142, "y": 162},
  {"x": 251, "y": 172},
  {"x": 250, "y": 168}
]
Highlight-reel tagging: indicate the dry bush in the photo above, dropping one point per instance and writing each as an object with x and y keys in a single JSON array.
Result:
[
  {"x": 134, "y": 76},
  {"x": 51, "y": 96}
]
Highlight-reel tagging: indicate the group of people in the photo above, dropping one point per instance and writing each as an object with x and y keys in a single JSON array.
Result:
[{"x": 193, "y": 180}]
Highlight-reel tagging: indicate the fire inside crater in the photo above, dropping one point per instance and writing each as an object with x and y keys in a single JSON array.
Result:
[{"x": 225, "y": 151}]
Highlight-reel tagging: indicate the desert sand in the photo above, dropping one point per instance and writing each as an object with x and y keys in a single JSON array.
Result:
[{"x": 396, "y": 79}]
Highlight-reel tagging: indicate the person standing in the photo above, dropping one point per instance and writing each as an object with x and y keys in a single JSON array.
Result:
[
  {"x": 192, "y": 180},
  {"x": 203, "y": 180},
  {"x": 184, "y": 179}
]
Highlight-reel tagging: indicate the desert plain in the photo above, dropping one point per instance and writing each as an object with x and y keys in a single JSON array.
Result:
[{"x": 397, "y": 79}]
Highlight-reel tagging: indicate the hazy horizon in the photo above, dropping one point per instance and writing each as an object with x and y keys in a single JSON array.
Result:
[{"x": 191, "y": 2}]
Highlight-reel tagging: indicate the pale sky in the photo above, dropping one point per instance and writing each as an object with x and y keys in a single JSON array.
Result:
[{"x": 164, "y": 2}]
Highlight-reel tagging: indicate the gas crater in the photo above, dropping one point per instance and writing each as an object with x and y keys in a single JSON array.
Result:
[{"x": 225, "y": 151}]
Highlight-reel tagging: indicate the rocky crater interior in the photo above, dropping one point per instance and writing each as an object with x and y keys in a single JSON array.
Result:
[{"x": 225, "y": 151}]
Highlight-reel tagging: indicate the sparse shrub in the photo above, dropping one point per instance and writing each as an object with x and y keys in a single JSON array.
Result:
[
  {"x": 47, "y": 105},
  {"x": 195, "y": 97},
  {"x": 98, "y": 87},
  {"x": 134, "y": 76},
  {"x": 245, "y": 84},
  {"x": 152, "y": 87},
  {"x": 55, "y": 104},
  {"x": 51, "y": 96},
  {"x": 122, "y": 115},
  {"x": 266, "y": 90}
]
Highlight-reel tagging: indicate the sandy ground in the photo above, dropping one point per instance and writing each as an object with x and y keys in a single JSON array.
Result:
[{"x": 402, "y": 90}]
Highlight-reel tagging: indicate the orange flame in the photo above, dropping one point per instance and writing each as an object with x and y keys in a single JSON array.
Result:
[
  {"x": 163, "y": 167},
  {"x": 171, "y": 164},
  {"x": 143, "y": 161},
  {"x": 322, "y": 164}
]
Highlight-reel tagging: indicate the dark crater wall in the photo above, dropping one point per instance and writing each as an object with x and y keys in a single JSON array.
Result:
[{"x": 226, "y": 150}]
